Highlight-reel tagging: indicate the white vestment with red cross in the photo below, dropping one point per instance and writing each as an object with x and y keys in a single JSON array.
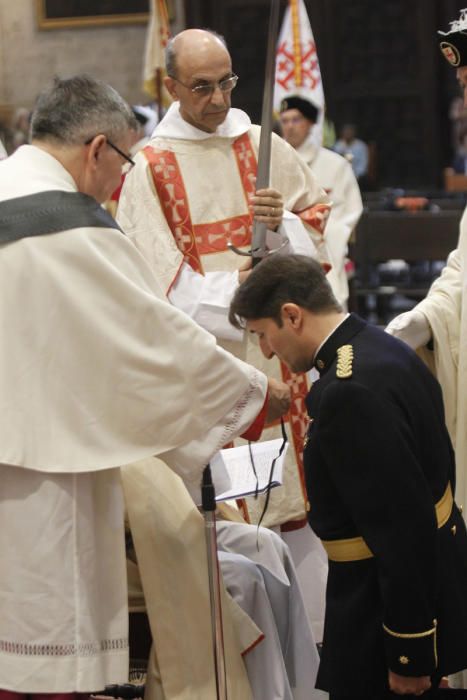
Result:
[{"x": 185, "y": 200}]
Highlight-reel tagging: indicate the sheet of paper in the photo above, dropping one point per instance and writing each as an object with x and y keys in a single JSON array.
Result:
[
  {"x": 237, "y": 462},
  {"x": 220, "y": 476}
]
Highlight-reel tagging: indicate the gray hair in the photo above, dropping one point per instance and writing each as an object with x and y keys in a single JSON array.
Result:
[
  {"x": 171, "y": 52},
  {"x": 74, "y": 110}
]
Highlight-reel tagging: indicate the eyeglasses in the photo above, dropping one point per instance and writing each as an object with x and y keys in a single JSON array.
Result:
[
  {"x": 225, "y": 85},
  {"x": 115, "y": 148}
]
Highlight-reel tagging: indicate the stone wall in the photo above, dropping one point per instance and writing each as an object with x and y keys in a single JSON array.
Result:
[{"x": 29, "y": 57}]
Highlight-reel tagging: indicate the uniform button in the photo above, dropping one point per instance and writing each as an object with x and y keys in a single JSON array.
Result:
[
  {"x": 454, "y": 529},
  {"x": 320, "y": 364},
  {"x": 461, "y": 508},
  {"x": 404, "y": 660}
]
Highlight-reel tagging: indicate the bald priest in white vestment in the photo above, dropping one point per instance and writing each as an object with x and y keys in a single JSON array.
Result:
[
  {"x": 192, "y": 194},
  {"x": 96, "y": 371}
]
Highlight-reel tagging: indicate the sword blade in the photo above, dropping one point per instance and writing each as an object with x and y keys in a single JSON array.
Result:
[{"x": 258, "y": 241}]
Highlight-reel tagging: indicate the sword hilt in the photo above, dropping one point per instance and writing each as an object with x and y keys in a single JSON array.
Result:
[
  {"x": 255, "y": 254},
  {"x": 248, "y": 253},
  {"x": 208, "y": 494}
]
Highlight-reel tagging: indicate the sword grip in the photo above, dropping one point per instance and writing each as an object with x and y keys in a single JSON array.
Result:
[{"x": 208, "y": 494}]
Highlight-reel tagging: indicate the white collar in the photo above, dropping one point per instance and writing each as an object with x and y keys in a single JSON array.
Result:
[
  {"x": 329, "y": 335},
  {"x": 308, "y": 150},
  {"x": 173, "y": 126},
  {"x": 52, "y": 174}
]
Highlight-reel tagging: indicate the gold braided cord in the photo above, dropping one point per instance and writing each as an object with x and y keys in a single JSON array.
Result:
[
  {"x": 414, "y": 635},
  {"x": 344, "y": 362}
]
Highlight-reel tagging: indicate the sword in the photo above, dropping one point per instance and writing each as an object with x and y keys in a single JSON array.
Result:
[
  {"x": 258, "y": 239},
  {"x": 208, "y": 499}
]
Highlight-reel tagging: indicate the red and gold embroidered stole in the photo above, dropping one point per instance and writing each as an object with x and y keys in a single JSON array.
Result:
[{"x": 196, "y": 240}]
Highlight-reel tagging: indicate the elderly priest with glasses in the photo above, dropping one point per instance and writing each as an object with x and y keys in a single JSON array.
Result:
[
  {"x": 93, "y": 375},
  {"x": 192, "y": 196}
]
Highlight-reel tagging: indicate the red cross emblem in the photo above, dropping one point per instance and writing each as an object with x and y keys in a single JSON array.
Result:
[
  {"x": 285, "y": 73},
  {"x": 451, "y": 53}
]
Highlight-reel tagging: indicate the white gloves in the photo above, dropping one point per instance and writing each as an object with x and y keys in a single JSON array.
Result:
[{"x": 412, "y": 327}]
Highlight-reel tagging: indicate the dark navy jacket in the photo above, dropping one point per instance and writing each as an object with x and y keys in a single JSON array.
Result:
[{"x": 377, "y": 459}]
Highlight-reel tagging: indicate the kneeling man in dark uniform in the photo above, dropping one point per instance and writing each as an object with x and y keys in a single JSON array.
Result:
[{"x": 380, "y": 478}]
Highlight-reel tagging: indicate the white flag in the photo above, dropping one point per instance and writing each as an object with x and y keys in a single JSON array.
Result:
[
  {"x": 154, "y": 55},
  {"x": 297, "y": 66}
]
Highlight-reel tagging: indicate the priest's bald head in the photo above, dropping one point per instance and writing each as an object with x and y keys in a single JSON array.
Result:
[
  {"x": 199, "y": 76},
  {"x": 87, "y": 127}
]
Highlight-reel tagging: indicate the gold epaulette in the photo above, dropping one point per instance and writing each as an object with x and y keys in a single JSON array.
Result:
[{"x": 344, "y": 362}]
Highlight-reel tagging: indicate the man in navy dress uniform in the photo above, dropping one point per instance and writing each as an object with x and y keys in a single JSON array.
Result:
[{"x": 380, "y": 479}]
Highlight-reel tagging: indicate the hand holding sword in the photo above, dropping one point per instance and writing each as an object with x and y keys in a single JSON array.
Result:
[{"x": 268, "y": 207}]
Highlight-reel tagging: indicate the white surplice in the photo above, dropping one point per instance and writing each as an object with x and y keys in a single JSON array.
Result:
[
  {"x": 93, "y": 375},
  {"x": 446, "y": 310}
]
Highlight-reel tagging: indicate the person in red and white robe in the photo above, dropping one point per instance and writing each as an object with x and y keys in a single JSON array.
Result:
[{"x": 192, "y": 193}]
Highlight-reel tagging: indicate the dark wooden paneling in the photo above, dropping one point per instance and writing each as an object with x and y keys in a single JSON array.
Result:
[
  {"x": 382, "y": 236},
  {"x": 244, "y": 25},
  {"x": 373, "y": 77},
  {"x": 381, "y": 66},
  {"x": 199, "y": 13}
]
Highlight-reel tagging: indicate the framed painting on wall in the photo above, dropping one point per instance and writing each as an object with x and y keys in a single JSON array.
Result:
[{"x": 57, "y": 14}]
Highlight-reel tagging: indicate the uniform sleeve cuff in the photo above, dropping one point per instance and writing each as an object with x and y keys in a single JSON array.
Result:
[{"x": 411, "y": 654}]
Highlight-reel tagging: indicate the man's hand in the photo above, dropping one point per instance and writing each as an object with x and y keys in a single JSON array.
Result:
[
  {"x": 268, "y": 207},
  {"x": 412, "y": 327},
  {"x": 245, "y": 269},
  {"x": 407, "y": 685},
  {"x": 279, "y": 400}
]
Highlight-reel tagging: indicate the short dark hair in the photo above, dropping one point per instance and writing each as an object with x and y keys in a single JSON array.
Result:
[
  {"x": 75, "y": 109},
  {"x": 278, "y": 280}
]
